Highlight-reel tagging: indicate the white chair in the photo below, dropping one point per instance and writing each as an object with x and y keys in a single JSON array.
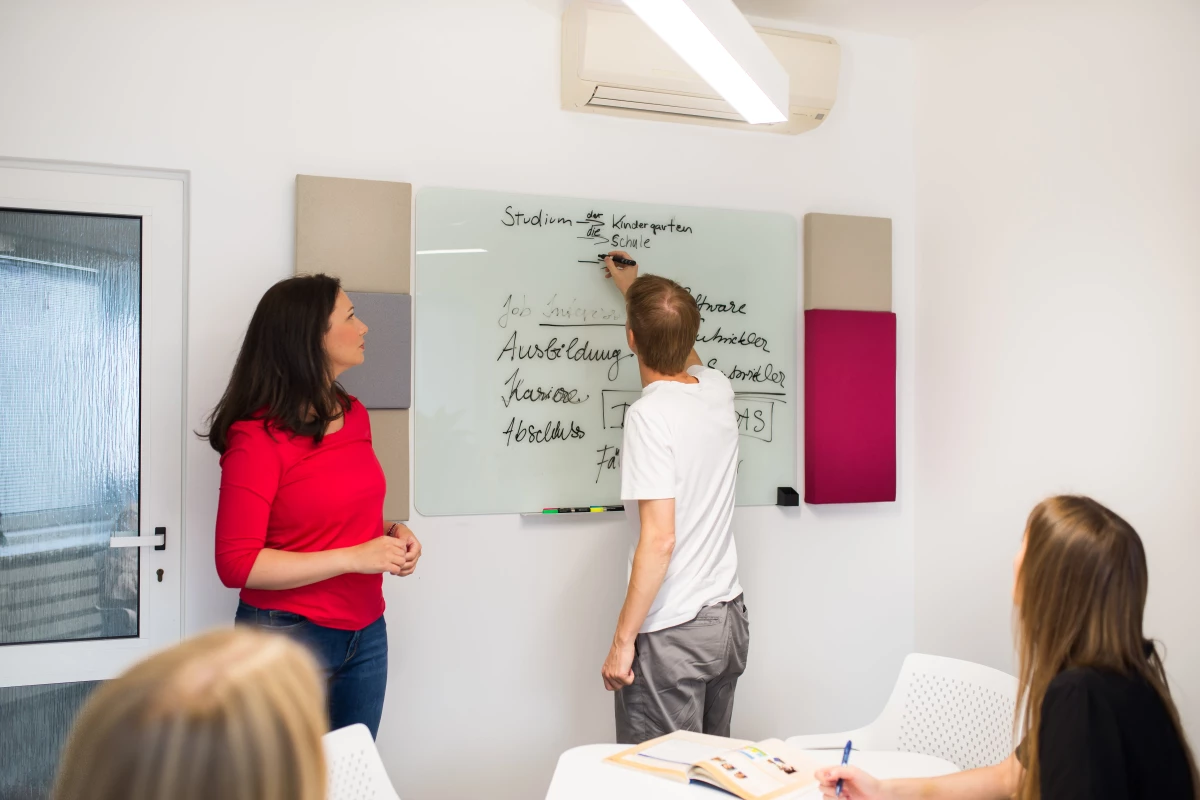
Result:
[
  {"x": 955, "y": 710},
  {"x": 355, "y": 771}
]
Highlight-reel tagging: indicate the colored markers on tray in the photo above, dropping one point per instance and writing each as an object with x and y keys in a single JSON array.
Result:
[{"x": 582, "y": 510}]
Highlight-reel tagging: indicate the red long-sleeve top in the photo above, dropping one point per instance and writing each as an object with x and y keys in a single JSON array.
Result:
[{"x": 283, "y": 492}]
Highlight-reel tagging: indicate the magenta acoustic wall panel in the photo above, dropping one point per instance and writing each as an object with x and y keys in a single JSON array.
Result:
[{"x": 849, "y": 406}]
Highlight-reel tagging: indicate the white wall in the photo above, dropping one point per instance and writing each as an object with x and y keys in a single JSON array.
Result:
[
  {"x": 497, "y": 641},
  {"x": 1058, "y": 337}
]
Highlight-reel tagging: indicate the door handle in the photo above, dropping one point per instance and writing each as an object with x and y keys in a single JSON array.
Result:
[{"x": 158, "y": 541}]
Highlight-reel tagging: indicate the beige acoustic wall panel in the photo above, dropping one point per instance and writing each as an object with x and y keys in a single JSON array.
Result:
[
  {"x": 361, "y": 231},
  {"x": 389, "y": 434},
  {"x": 847, "y": 263}
]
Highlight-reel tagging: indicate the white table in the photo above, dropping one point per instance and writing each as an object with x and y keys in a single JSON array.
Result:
[{"x": 582, "y": 774}]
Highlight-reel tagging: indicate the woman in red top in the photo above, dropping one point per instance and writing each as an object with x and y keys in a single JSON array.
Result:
[{"x": 300, "y": 526}]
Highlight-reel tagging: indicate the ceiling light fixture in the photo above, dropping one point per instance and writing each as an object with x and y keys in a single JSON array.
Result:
[{"x": 717, "y": 41}]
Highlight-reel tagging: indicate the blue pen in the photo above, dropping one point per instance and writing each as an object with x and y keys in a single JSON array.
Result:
[{"x": 845, "y": 761}]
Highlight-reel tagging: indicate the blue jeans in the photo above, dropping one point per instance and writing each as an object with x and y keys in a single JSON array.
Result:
[{"x": 354, "y": 662}]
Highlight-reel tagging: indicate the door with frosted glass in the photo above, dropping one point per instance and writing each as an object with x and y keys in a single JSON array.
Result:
[{"x": 91, "y": 355}]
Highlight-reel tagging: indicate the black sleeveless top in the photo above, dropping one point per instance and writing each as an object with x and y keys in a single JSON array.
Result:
[{"x": 1108, "y": 736}]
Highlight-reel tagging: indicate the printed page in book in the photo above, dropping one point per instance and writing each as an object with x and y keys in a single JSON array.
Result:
[
  {"x": 768, "y": 770},
  {"x": 671, "y": 756}
]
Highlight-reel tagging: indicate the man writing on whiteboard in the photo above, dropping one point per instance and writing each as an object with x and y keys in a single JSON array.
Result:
[{"x": 683, "y": 633}]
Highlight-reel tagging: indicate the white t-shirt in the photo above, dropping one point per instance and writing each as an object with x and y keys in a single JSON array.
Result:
[{"x": 681, "y": 441}]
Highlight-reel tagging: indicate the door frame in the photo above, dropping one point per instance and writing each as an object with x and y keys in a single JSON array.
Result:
[{"x": 160, "y": 198}]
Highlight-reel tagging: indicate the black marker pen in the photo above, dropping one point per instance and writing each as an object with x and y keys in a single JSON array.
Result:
[{"x": 624, "y": 262}]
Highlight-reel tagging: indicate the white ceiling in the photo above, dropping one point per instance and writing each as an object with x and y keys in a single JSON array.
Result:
[{"x": 904, "y": 18}]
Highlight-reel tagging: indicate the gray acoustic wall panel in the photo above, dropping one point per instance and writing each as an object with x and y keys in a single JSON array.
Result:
[{"x": 383, "y": 380}]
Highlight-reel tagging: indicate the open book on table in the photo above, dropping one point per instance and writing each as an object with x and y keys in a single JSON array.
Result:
[{"x": 767, "y": 770}]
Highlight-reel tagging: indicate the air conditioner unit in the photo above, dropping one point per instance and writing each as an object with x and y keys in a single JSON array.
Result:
[{"x": 612, "y": 63}]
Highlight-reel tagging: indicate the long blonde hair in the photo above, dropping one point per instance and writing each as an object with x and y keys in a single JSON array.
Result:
[
  {"x": 235, "y": 715},
  {"x": 1081, "y": 590}
]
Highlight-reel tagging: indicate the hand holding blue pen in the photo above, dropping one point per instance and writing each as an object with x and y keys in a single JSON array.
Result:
[{"x": 845, "y": 761}]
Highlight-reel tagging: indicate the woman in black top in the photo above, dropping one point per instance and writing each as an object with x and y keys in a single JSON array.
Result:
[{"x": 1098, "y": 720}]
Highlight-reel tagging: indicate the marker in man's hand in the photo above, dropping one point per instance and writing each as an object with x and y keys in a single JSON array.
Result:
[{"x": 624, "y": 262}]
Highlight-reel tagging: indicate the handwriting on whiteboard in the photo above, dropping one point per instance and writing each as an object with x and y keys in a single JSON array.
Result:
[{"x": 539, "y": 334}]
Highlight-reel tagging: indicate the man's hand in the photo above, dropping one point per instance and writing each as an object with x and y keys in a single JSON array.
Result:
[
  {"x": 618, "y": 667},
  {"x": 621, "y": 275},
  {"x": 412, "y": 548},
  {"x": 656, "y": 542}
]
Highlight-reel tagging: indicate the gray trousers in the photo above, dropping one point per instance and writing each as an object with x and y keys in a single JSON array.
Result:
[{"x": 684, "y": 677}]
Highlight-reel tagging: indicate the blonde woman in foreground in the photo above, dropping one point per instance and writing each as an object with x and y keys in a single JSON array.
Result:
[
  {"x": 1099, "y": 722},
  {"x": 235, "y": 715}
]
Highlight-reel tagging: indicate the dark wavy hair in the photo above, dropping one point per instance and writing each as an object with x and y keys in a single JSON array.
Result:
[{"x": 282, "y": 373}]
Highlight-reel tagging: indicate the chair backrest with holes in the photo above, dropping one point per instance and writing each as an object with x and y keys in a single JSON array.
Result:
[
  {"x": 956, "y": 710},
  {"x": 355, "y": 771}
]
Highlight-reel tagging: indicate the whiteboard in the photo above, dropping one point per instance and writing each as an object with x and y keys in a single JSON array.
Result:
[{"x": 522, "y": 370}]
